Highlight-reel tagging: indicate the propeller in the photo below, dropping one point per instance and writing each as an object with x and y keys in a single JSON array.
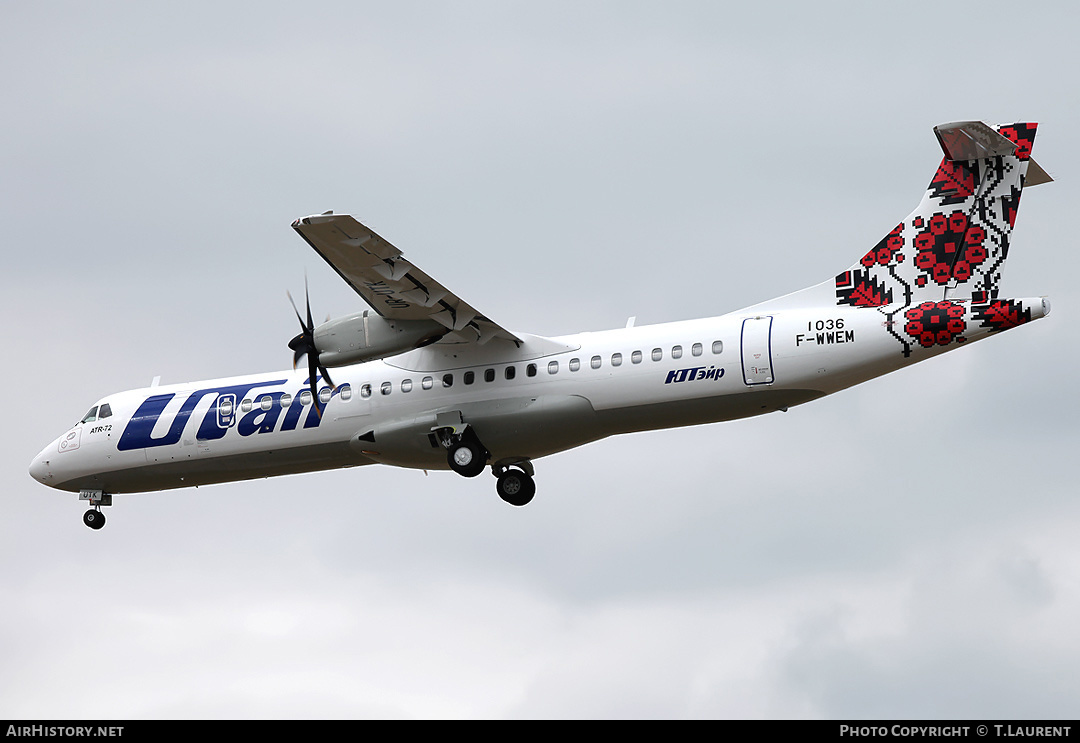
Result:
[{"x": 304, "y": 345}]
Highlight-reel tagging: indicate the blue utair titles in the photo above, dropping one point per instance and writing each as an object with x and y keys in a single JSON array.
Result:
[
  {"x": 693, "y": 374},
  {"x": 139, "y": 431}
]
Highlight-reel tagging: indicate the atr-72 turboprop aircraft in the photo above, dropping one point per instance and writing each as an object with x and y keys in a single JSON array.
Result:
[{"x": 423, "y": 380}]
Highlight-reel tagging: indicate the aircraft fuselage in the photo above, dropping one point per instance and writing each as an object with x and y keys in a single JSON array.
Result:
[{"x": 548, "y": 395}]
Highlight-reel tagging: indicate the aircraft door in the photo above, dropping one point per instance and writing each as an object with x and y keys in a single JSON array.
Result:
[
  {"x": 226, "y": 411},
  {"x": 757, "y": 350}
]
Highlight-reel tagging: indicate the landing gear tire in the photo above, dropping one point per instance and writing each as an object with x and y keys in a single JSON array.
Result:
[
  {"x": 467, "y": 458},
  {"x": 515, "y": 487},
  {"x": 94, "y": 519}
]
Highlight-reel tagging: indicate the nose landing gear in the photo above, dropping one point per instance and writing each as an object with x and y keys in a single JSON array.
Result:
[{"x": 94, "y": 518}]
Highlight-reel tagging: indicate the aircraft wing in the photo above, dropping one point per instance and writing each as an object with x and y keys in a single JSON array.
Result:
[{"x": 393, "y": 286}]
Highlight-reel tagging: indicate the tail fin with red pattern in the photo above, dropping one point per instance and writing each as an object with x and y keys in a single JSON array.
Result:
[
  {"x": 936, "y": 277},
  {"x": 954, "y": 245}
]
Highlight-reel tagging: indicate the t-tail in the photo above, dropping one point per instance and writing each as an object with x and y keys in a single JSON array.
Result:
[{"x": 936, "y": 276}]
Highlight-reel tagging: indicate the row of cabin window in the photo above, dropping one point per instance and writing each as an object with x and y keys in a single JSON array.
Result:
[
  {"x": 428, "y": 382},
  {"x": 345, "y": 391},
  {"x": 510, "y": 372},
  {"x": 636, "y": 357},
  {"x": 267, "y": 401}
]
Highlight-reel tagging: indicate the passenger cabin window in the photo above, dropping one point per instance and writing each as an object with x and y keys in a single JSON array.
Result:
[
  {"x": 696, "y": 349},
  {"x": 447, "y": 380},
  {"x": 305, "y": 399},
  {"x": 489, "y": 375},
  {"x": 657, "y": 354},
  {"x": 365, "y": 391},
  {"x": 324, "y": 396},
  {"x": 427, "y": 383},
  {"x": 286, "y": 400},
  {"x": 345, "y": 392},
  {"x": 575, "y": 364},
  {"x": 635, "y": 357},
  {"x": 245, "y": 404},
  {"x": 510, "y": 372},
  {"x": 406, "y": 385},
  {"x": 616, "y": 359},
  {"x": 266, "y": 401},
  {"x": 594, "y": 362},
  {"x": 553, "y": 367},
  {"x": 385, "y": 388},
  {"x": 676, "y": 352},
  {"x": 717, "y": 346},
  {"x": 468, "y": 377},
  {"x": 530, "y": 370}
]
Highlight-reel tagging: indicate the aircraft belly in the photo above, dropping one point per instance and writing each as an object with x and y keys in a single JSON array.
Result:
[
  {"x": 527, "y": 427},
  {"x": 184, "y": 472},
  {"x": 541, "y": 426},
  {"x": 695, "y": 411}
]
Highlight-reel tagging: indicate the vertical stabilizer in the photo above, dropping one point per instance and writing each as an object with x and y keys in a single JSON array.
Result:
[
  {"x": 954, "y": 245},
  {"x": 951, "y": 249}
]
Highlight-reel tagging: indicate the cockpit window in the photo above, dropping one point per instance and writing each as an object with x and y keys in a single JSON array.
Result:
[
  {"x": 91, "y": 415},
  {"x": 104, "y": 411}
]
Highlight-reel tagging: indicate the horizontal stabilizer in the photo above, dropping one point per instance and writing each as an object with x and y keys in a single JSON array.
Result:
[
  {"x": 1036, "y": 175},
  {"x": 972, "y": 140}
]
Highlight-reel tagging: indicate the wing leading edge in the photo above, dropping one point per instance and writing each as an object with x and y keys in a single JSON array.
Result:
[{"x": 393, "y": 286}]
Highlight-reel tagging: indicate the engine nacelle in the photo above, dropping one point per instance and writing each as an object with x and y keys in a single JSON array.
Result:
[{"x": 366, "y": 336}]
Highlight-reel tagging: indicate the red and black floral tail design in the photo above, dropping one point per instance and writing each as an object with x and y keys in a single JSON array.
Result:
[{"x": 954, "y": 245}]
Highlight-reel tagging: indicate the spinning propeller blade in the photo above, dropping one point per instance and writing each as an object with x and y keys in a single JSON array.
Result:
[{"x": 304, "y": 345}]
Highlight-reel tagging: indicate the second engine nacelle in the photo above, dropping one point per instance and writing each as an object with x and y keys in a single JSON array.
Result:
[{"x": 366, "y": 336}]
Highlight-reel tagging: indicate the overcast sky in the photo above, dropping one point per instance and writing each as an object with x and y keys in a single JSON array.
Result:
[{"x": 906, "y": 548}]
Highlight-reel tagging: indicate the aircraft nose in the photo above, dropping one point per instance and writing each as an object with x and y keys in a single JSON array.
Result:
[{"x": 40, "y": 466}]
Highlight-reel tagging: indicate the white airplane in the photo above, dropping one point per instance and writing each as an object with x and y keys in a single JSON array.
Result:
[{"x": 423, "y": 380}]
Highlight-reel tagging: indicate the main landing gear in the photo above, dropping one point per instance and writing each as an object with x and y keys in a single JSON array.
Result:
[
  {"x": 94, "y": 518},
  {"x": 515, "y": 486},
  {"x": 468, "y": 457}
]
